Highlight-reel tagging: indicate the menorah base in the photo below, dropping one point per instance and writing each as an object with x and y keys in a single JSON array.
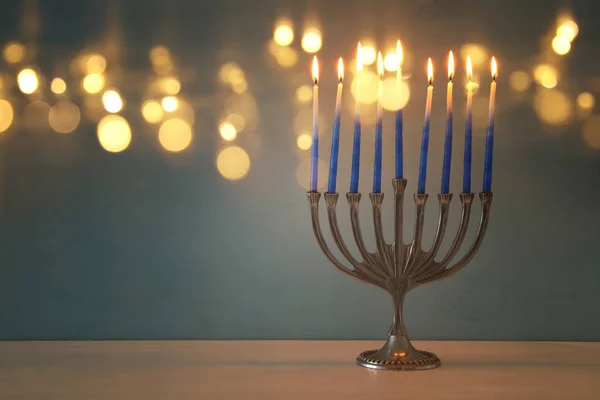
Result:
[{"x": 398, "y": 354}]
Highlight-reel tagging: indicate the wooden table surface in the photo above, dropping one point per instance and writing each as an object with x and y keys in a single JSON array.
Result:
[{"x": 307, "y": 370}]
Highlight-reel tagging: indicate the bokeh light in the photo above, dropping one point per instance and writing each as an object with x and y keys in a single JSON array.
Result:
[
  {"x": 304, "y": 141},
  {"x": 152, "y": 111},
  {"x": 36, "y": 115},
  {"x": 369, "y": 54},
  {"x": 561, "y": 45},
  {"x": 160, "y": 57},
  {"x": 284, "y": 33},
  {"x": 479, "y": 54},
  {"x": 233, "y": 163},
  {"x": 231, "y": 73},
  {"x": 285, "y": 56},
  {"x": 13, "y": 52},
  {"x": 390, "y": 62},
  {"x": 312, "y": 41},
  {"x": 170, "y": 103},
  {"x": 568, "y": 29},
  {"x": 586, "y": 101},
  {"x": 184, "y": 111},
  {"x": 28, "y": 81},
  {"x": 591, "y": 131},
  {"x": 171, "y": 85},
  {"x": 64, "y": 117},
  {"x": 236, "y": 120},
  {"x": 58, "y": 86},
  {"x": 520, "y": 81},
  {"x": 111, "y": 99},
  {"x": 546, "y": 75},
  {"x": 114, "y": 133},
  {"x": 391, "y": 99},
  {"x": 6, "y": 115},
  {"x": 303, "y": 174},
  {"x": 227, "y": 131},
  {"x": 368, "y": 91},
  {"x": 95, "y": 64},
  {"x": 175, "y": 135},
  {"x": 553, "y": 107},
  {"x": 304, "y": 94},
  {"x": 93, "y": 83}
]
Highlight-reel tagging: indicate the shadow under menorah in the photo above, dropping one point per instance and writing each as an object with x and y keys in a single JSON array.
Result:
[{"x": 398, "y": 267}]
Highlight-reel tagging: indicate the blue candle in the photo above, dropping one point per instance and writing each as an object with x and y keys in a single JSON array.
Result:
[
  {"x": 399, "y": 145},
  {"x": 335, "y": 138},
  {"x": 489, "y": 140},
  {"x": 468, "y": 131},
  {"x": 357, "y": 127},
  {"x": 448, "y": 141},
  {"x": 378, "y": 131},
  {"x": 314, "y": 158},
  {"x": 425, "y": 137}
]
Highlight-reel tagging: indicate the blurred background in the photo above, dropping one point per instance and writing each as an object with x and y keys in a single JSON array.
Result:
[{"x": 154, "y": 158}]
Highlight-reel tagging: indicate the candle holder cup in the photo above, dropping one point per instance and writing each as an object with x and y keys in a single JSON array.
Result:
[{"x": 398, "y": 268}]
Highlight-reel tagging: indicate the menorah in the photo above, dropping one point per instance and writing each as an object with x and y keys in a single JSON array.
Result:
[{"x": 398, "y": 267}]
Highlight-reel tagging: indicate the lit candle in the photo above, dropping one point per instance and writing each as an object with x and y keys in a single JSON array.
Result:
[
  {"x": 489, "y": 140},
  {"x": 468, "y": 130},
  {"x": 335, "y": 138},
  {"x": 357, "y": 133},
  {"x": 448, "y": 141},
  {"x": 314, "y": 158},
  {"x": 399, "y": 116},
  {"x": 425, "y": 137},
  {"x": 378, "y": 130}
]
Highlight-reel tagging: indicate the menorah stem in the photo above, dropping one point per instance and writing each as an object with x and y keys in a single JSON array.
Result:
[
  {"x": 398, "y": 293},
  {"x": 399, "y": 247}
]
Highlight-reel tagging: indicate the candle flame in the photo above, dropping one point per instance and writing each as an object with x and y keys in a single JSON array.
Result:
[
  {"x": 494, "y": 69},
  {"x": 399, "y": 54},
  {"x": 430, "y": 71},
  {"x": 380, "y": 65},
  {"x": 359, "y": 58},
  {"x": 341, "y": 70},
  {"x": 315, "y": 71},
  {"x": 469, "y": 68},
  {"x": 450, "y": 66}
]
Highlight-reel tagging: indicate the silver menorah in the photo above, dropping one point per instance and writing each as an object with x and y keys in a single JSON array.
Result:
[{"x": 398, "y": 267}]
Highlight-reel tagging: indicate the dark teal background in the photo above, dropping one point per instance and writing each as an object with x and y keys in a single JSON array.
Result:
[{"x": 140, "y": 245}]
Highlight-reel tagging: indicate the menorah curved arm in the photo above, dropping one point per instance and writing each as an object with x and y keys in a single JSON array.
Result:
[
  {"x": 486, "y": 204},
  {"x": 382, "y": 247},
  {"x": 313, "y": 199},
  {"x": 362, "y": 268},
  {"x": 466, "y": 200},
  {"x": 415, "y": 251},
  {"x": 425, "y": 263},
  {"x": 371, "y": 258}
]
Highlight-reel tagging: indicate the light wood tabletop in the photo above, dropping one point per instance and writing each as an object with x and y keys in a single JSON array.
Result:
[{"x": 307, "y": 370}]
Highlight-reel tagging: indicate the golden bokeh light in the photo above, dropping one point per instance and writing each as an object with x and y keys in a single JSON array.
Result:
[
  {"x": 175, "y": 135},
  {"x": 561, "y": 45},
  {"x": 586, "y": 101},
  {"x": 114, "y": 133},
  {"x": 233, "y": 163},
  {"x": 304, "y": 141},
  {"x": 368, "y": 90},
  {"x": 64, "y": 117},
  {"x": 170, "y": 103},
  {"x": 390, "y": 98},
  {"x": 28, "y": 81},
  {"x": 160, "y": 56},
  {"x": 390, "y": 62},
  {"x": 171, "y": 85},
  {"x": 519, "y": 81},
  {"x": 239, "y": 87},
  {"x": 152, "y": 111},
  {"x": 304, "y": 94},
  {"x": 231, "y": 73},
  {"x": 312, "y": 40},
  {"x": 303, "y": 174},
  {"x": 546, "y": 75},
  {"x": 93, "y": 83},
  {"x": 236, "y": 120},
  {"x": 369, "y": 54},
  {"x": 36, "y": 115},
  {"x": 58, "y": 86},
  {"x": 185, "y": 112},
  {"x": 591, "y": 131},
  {"x": 111, "y": 99},
  {"x": 95, "y": 64},
  {"x": 284, "y": 33},
  {"x": 553, "y": 107},
  {"x": 6, "y": 115},
  {"x": 13, "y": 52},
  {"x": 479, "y": 54},
  {"x": 227, "y": 131},
  {"x": 285, "y": 56},
  {"x": 568, "y": 29}
]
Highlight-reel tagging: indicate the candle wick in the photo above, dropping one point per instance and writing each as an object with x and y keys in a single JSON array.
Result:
[
  {"x": 341, "y": 79},
  {"x": 316, "y": 81}
]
